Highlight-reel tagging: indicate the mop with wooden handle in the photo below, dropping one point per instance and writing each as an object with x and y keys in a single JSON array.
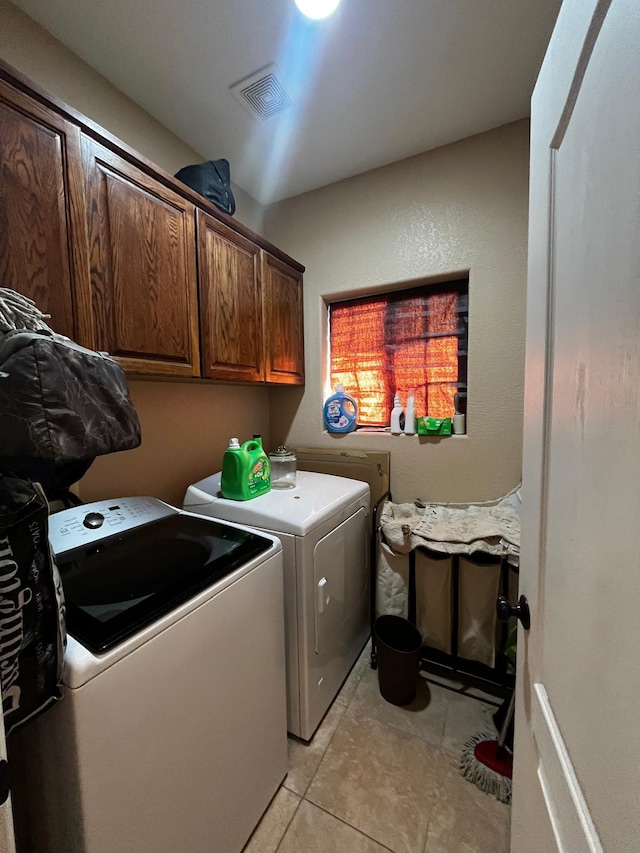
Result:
[{"x": 486, "y": 761}]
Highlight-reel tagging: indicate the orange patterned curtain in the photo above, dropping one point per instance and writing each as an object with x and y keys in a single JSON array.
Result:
[{"x": 405, "y": 341}]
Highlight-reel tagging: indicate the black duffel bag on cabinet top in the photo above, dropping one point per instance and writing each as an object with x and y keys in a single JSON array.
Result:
[{"x": 211, "y": 180}]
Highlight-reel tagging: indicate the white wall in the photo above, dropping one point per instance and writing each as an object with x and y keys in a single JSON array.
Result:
[{"x": 460, "y": 207}]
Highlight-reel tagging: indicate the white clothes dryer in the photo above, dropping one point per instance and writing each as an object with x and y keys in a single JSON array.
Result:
[{"x": 323, "y": 525}]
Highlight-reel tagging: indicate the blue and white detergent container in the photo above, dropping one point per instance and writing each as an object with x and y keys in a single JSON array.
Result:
[{"x": 340, "y": 411}]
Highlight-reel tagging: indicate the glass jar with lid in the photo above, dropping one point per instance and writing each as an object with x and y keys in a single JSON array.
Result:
[{"x": 283, "y": 468}]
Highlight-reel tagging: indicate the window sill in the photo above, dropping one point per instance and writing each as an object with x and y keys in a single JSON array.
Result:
[{"x": 386, "y": 431}]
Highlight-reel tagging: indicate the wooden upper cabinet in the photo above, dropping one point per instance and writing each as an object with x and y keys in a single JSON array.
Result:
[
  {"x": 142, "y": 252},
  {"x": 230, "y": 303},
  {"x": 283, "y": 322},
  {"x": 43, "y": 248},
  {"x": 108, "y": 245}
]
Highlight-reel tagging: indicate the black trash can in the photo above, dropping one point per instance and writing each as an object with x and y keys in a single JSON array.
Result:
[{"x": 399, "y": 643}]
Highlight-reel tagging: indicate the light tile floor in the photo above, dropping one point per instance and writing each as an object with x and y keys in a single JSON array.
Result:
[{"x": 378, "y": 778}]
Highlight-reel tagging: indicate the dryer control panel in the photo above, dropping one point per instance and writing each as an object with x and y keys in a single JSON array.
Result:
[{"x": 92, "y": 523}]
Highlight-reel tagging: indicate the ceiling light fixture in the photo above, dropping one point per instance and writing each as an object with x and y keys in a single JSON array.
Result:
[{"x": 317, "y": 9}]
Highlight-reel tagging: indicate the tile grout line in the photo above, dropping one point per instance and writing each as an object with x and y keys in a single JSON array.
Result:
[
  {"x": 322, "y": 755},
  {"x": 372, "y": 718},
  {"x": 440, "y": 751},
  {"x": 286, "y": 829},
  {"x": 324, "y": 751},
  {"x": 355, "y": 828},
  {"x": 303, "y": 797},
  {"x": 437, "y": 755},
  {"x": 487, "y": 698}
]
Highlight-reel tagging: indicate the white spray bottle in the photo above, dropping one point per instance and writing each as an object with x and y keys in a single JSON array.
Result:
[
  {"x": 410, "y": 416},
  {"x": 396, "y": 414}
]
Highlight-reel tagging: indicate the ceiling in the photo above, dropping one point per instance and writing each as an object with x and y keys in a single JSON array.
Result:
[{"x": 378, "y": 81}]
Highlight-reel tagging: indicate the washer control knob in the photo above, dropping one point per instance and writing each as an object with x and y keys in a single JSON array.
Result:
[{"x": 93, "y": 520}]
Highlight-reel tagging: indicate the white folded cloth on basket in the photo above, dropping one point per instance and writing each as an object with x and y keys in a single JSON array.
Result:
[{"x": 492, "y": 527}]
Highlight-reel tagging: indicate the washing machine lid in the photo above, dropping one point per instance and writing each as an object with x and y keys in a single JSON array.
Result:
[
  {"x": 315, "y": 498},
  {"x": 125, "y": 563}
]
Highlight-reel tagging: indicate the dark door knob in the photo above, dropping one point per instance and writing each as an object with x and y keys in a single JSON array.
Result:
[{"x": 520, "y": 611}]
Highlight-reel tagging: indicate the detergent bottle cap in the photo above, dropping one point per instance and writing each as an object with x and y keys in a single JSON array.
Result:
[
  {"x": 339, "y": 388},
  {"x": 233, "y": 443}
]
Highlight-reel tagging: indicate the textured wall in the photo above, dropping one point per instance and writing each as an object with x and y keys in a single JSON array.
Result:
[
  {"x": 185, "y": 426},
  {"x": 461, "y": 207}
]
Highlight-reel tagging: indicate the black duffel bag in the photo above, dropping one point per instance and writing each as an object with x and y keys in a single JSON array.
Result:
[
  {"x": 211, "y": 180},
  {"x": 61, "y": 405}
]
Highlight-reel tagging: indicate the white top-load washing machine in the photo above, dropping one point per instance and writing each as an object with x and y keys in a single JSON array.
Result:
[
  {"x": 323, "y": 524},
  {"x": 172, "y": 733}
]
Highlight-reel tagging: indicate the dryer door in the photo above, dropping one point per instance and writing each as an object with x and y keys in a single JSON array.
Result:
[{"x": 340, "y": 568}]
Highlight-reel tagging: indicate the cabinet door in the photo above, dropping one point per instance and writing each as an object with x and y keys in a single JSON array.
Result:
[
  {"x": 143, "y": 268},
  {"x": 43, "y": 248},
  {"x": 283, "y": 322},
  {"x": 230, "y": 303}
]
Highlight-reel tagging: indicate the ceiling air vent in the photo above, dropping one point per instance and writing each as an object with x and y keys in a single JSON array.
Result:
[{"x": 262, "y": 93}]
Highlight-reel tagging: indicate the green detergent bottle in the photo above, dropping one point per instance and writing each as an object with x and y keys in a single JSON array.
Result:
[
  {"x": 246, "y": 471},
  {"x": 259, "y": 467}
]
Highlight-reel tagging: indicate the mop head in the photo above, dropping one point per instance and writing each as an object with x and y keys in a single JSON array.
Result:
[{"x": 488, "y": 765}]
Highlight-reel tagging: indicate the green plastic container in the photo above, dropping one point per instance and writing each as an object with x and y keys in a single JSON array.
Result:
[
  {"x": 246, "y": 471},
  {"x": 434, "y": 426}
]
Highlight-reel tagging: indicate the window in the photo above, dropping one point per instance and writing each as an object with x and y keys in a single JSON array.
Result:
[{"x": 408, "y": 340}]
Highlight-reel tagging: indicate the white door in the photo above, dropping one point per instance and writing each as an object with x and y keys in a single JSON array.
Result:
[{"x": 577, "y": 750}]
